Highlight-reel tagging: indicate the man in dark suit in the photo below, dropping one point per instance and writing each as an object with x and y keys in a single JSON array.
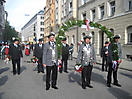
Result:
[
  {"x": 113, "y": 62},
  {"x": 65, "y": 55},
  {"x": 38, "y": 53},
  {"x": 50, "y": 61},
  {"x": 104, "y": 55},
  {"x": 16, "y": 53}
]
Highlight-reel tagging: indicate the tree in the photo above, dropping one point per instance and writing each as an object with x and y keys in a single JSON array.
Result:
[{"x": 9, "y": 32}]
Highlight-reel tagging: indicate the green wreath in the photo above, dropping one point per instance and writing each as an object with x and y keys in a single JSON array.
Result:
[{"x": 71, "y": 23}]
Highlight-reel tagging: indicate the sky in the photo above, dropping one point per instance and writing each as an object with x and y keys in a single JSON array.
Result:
[{"x": 18, "y": 8}]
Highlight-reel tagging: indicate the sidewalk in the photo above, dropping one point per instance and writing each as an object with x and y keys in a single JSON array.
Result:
[{"x": 126, "y": 63}]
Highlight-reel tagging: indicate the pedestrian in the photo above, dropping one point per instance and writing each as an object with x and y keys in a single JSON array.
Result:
[
  {"x": 104, "y": 55},
  {"x": 112, "y": 62},
  {"x": 38, "y": 53},
  {"x": 2, "y": 51},
  {"x": 27, "y": 50},
  {"x": 71, "y": 49},
  {"x": 16, "y": 53},
  {"x": 87, "y": 57},
  {"x": 50, "y": 61},
  {"x": 65, "y": 55}
]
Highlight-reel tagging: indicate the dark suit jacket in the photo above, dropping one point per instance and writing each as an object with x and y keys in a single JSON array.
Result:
[
  {"x": 65, "y": 51},
  {"x": 110, "y": 58},
  {"x": 38, "y": 52},
  {"x": 103, "y": 50},
  {"x": 15, "y": 52}
]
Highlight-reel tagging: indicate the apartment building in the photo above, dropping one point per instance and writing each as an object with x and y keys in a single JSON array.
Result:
[
  {"x": 2, "y": 19},
  {"x": 34, "y": 28},
  {"x": 49, "y": 18},
  {"x": 66, "y": 10},
  {"x": 114, "y": 14}
]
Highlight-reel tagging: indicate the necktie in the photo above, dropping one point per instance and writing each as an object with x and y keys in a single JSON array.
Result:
[{"x": 53, "y": 44}]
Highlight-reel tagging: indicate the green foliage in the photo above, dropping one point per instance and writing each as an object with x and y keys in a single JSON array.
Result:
[
  {"x": 65, "y": 26},
  {"x": 9, "y": 32}
]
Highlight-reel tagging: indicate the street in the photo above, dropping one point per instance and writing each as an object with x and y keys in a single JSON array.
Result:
[{"x": 31, "y": 85}]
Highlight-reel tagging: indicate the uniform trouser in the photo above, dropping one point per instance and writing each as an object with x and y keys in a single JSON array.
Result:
[
  {"x": 14, "y": 62},
  {"x": 2, "y": 56},
  {"x": 54, "y": 74},
  {"x": 40, "y": 65},
  {"x": 110, "y": 70},
  {"x": 104, "y": 63},
  {"x": 64, "y": 61},
  {"x": 86, "y": 75}
]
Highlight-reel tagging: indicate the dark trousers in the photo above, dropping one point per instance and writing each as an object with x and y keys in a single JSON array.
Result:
[
  {"x": 110, "y": 70},
  {"x": 86, "y": 75},
  {"x": 14, "y": 62},
  {"x": 53, "y": 76},
  {"x": 104, "y": 63},
  {"x": 64, "y": 63},
  {"x": 40, "y": 65}
]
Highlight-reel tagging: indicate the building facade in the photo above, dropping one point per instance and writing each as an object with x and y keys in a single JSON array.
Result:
[
  {"x": 49, "y": 18},
  {"x": 34, "y": 29},
  {"x": 2, "y": 19},
  {"x": 66, "y": 10},
  {"x": 114, "y": 14}
]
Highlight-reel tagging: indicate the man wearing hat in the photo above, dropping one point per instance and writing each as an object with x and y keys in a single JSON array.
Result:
[
  {"x": 104, "y": 55},
  {"x": 38, "y": 53},
  {"x": 16, "y": 53},
  {"x": 65, "y": 55},
  {"x": 112, "y": 63},
  {"x": 87, "y": 57},
  {"x": 50, "y": 61}
]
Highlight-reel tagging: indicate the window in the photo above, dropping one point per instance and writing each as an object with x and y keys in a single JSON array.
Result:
[
  {"x": 93, "y": 37},
  {"x": 83, "y": 2},
  {"x": 70, "y": 6},
  {"x": 112, "y": 7},
  {"x": 83, "y": 16},
  {"x": 129, "y": 31},
  {"x": 41, "y": 23},
  {"x": 41, "y": 29},
  {"x": 42, "y": 17},
  {"x": 102, "y": 12},
  {"x": 130, "y": 5},
  {"x": 93, "y": 15},
  {"x": 41, "y": 35}
]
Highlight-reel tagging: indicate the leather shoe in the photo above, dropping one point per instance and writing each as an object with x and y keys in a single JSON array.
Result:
[
  {"x": 108, "y": 85},
  {"x": 54, "y": 87},
  {"x": 66, "y": 71},
  {"x": 42, "y": 71},
  {"x": 83, "y": 87},
  {"x": 14, "y": 73},
  {"x": 47, "y": 88},
  {"x": 89, "y": 86},
  {"x": 117, "y": 84}
]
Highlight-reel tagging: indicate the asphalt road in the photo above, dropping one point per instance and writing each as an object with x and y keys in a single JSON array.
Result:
[{"x": 31, "y": 85}]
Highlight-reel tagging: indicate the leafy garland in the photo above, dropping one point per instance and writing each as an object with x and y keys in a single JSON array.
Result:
[{"x": 65, "y": 26}]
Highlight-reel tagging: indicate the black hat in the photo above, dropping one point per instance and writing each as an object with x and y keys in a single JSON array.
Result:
[
  {"x": 15, "y": 40},
  {"x": 72, "y": 44},
  {"x": 40, "y": 40},
  {"x": 106, "y": 42},
  {"x": 116, "y": 37},
  {"x": 51, "y": 35},
  {"x": 64, "y": 39},
  {"x": 87, "y": 37}
]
